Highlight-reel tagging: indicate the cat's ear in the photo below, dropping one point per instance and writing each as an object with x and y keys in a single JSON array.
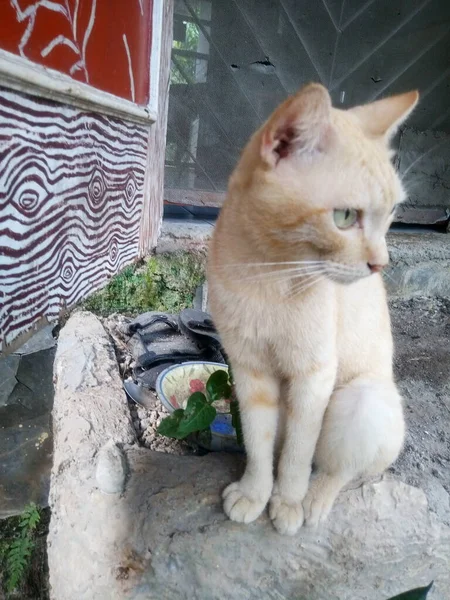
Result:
[
  {"x": 301, "y": 124},
  {"x": 382, "y": 118}
]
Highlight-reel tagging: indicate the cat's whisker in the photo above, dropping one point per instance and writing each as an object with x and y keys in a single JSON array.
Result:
[
  {"x": 389, "y": 276},
  {"x": 273, "y": 264},
  {"x": 302, "y": 289},
  {"x": 304, "y": 285},
  {"x": 340, "y": 268},
  {"x": 283, "y": 274}
]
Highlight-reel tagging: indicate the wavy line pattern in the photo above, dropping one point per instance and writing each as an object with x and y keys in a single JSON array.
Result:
[{"x": 71, "y": 198}]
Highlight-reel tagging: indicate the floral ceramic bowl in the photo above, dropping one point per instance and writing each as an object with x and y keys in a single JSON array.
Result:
[{"x": 174, "y": 386}]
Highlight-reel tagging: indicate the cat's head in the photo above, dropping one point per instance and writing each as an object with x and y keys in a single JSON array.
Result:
[{"x": 320, "y": 183}]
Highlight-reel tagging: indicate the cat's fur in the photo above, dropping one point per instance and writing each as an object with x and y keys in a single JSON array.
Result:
[{"x": 311, "y": 349}]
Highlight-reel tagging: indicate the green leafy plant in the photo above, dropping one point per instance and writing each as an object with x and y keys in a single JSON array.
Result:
[
  {"x": 416, "y": 594},
  {"x": 171, "y": 280},
  {"x": 200, "y": 412},
  {"x": 163, "y": 282},
  {"x": 16, "y": 552}
]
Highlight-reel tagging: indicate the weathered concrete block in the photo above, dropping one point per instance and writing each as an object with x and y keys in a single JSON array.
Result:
[
  {"x": 179, "y": 235},
  {"x": 419, "y": 264},
  {"x": 166, "y": 537},
  {"x": 423, "y": 161}
]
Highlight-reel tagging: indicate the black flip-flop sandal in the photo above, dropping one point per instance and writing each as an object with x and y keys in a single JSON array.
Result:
[
  {"x": 199, "y": 327},
  {"x": 178, "y": 343}
]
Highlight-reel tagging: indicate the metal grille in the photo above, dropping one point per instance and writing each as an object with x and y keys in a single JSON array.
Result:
[{"x": 233, "y": 61}]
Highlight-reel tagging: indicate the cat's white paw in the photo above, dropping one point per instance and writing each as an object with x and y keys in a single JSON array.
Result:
[
  {"x": 244, "y": 502},
  {"x": 286, "y": 515},
  {"x": 318, "y": 503}
]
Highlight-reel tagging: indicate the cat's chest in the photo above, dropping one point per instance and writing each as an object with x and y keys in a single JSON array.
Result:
[{"x": 288, "y": 323}]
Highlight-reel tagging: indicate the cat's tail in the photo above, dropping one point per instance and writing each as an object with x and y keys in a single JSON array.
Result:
[{"x": 362, "y": 434}]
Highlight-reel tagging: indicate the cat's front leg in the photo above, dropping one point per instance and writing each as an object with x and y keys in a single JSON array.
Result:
[
  {"x": 258, "y": 395},
  {"x": 307, "y": 399}
]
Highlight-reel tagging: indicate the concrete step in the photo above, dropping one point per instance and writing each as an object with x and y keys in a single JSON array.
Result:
[{"x": 419, "y": 264}]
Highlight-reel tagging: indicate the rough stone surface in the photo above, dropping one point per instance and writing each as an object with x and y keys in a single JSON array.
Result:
[
  {"x": 43, "y": 339},
  {"x": 166, "y": 536},
  {"x": 421, "y": 328},
  {"x": 423, "y": 158},
  {"x": 8, "y": 370},
  {"x": 201, "y": 297},
  {"x": 179, "y": 235},
  {"x": 111, "y": 469},
  {"x": 26, "y": 399},
  {"x": 419, "y": 264},
  {"x": 91, "y": 409}
]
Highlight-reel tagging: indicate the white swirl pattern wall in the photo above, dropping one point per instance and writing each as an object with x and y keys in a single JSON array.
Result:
[{"x": 71, "y": 197}]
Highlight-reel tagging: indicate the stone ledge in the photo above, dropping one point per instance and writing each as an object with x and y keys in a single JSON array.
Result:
[
  {"x": 419, "y": 264},
  {"x": 166, "y": 538},
  {"x": 179, "y": 235}
]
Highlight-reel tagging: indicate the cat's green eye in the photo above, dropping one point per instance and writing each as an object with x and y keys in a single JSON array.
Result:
[{"x": 345, "y": 217}]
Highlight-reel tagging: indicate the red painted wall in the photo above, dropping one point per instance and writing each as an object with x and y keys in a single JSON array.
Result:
[{"x": 105, "y": 43}]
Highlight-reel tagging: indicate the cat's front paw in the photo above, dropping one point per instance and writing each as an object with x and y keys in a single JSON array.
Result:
[
  {"x": 244, "y": 501},
  {"x": 286, "y": 515}
]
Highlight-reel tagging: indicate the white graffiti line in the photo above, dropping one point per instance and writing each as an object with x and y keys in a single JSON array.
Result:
[
  {"x": 78, "y": 66},
  {"x": 141, "y": 6},
  {"x": 24, "y": 14},
  {"x": 75, "y": 18},
  {"x": 60, "y": 40},
  {"x": 26, "y": 35},
  {"x": 130, "y": 66},
  {"x": 87, "y": 34},
  {"x": 30, "y": 14}
]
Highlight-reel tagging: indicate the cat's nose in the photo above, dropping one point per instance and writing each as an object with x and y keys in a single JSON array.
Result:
[{"x": 375, "y": 268}]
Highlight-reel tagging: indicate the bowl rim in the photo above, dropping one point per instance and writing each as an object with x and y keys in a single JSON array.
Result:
[{"x": 163, "y": 374}]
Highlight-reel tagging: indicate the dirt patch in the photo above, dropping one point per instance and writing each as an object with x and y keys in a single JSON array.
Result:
[
  {"x": 145, "y": 420},
  {"x": 421, "y": 328}
]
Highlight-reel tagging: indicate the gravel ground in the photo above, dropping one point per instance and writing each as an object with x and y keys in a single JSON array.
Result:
[
  {"x": 145, "y": 421},
  {"x": 421, "y": 329}
]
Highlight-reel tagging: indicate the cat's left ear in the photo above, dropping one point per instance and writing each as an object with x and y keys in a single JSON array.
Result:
[
  {"x": 299, "y": 125},
  {"x": 382, "y": 118}
]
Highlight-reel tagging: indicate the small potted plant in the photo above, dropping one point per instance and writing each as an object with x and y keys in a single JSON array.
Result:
[{"x": 200, "y": 398}]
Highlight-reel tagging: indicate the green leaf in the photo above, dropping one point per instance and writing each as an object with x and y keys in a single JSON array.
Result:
[
  {"x": 236, "y": 421},
  {"x": 170, "y": 425},
  {"x": 218, "y": 387},
  {"x": 417, "y": 594},
  {"x": 17, "y": 561},
  {"x": 30, "y": 518},
  {"x": 198, "y": 415},
  {"x": 4, "y": 547}
]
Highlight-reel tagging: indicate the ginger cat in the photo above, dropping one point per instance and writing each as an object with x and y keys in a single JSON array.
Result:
[{"x": 298, "y": 299}]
